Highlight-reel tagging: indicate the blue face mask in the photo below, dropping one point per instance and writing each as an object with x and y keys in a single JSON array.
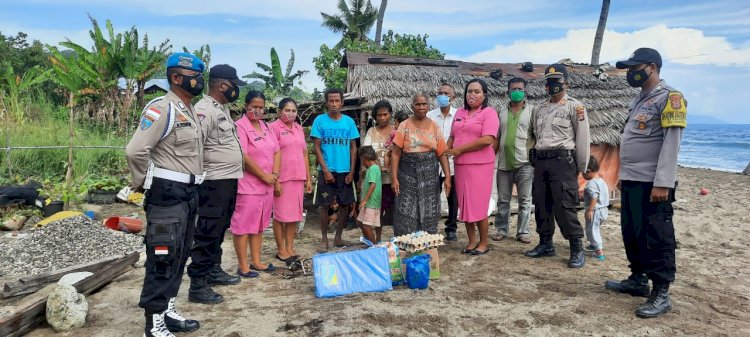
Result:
[{"x": 443, "y": 101}]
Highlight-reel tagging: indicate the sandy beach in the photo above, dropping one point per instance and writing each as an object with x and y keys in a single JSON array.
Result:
[{"x": 502, "y": 293}]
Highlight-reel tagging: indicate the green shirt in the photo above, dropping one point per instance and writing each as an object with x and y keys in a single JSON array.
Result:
[
  {"x": 372, "y": 176},
  {"x": 514, "y": 138}
]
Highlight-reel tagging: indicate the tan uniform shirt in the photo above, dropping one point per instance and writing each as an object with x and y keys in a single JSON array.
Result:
[
  {"x": 170, "y": 136},
  {"x": 222, "y": 156},
  {"x": 651, "y": 136},
  {"x": 563, "y": 126}
]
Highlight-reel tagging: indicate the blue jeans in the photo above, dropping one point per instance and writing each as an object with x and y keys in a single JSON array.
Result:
[{"x": 522, "y": 177}]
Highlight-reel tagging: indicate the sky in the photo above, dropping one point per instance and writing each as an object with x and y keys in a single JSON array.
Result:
[{"x": 705, "y": 44}]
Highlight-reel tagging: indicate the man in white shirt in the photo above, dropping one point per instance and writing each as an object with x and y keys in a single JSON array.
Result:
[{"x": 443, "y": 117}]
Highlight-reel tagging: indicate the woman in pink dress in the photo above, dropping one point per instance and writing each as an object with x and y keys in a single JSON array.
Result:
[
  {"x": 474, "y": 129},
  {"x": 294, "y": 179},
  {"x": 261, "y": 161}
]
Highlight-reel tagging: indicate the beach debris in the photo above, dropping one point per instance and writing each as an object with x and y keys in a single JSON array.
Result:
[
  {"x": 704, "y": 191},
  {"x": 66, "y": 308}
]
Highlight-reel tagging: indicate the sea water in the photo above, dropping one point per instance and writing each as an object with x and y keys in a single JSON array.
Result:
[{"x": 724, "y": 147}]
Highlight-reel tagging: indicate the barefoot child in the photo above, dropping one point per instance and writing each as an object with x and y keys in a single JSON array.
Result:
[
  {"x": 596, "y": 201},
  {"x": 369, "y": 205}
]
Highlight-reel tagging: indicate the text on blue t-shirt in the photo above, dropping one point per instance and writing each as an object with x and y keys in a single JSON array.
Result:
[{"x": 335, "y": 136}]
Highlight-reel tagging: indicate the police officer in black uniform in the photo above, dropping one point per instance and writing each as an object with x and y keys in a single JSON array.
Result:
[
  {"x": 560, "y": 129},
  {"x": 165, "y": 157},
  {"x": 650, "y": 142},
  {"x": 222, "y": 160}
]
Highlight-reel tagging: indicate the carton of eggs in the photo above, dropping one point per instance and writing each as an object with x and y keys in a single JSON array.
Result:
[{"x": 417, "y": 241}]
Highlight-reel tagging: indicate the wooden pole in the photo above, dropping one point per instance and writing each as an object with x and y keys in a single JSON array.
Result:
[{"x": 71, "y": 134}]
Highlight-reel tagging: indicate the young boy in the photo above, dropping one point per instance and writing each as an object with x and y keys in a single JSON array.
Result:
[
  {"x": 369, "y": 204},
  {"x": 596, "y": 201}
]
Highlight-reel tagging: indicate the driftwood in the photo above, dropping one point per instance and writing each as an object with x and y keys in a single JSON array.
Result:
[
  {"x": 31, "y": 310},
  {"x": 27, "y": 285}
]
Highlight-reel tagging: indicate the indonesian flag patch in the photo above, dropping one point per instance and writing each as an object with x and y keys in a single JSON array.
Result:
[{"x": 161, "y": 250}]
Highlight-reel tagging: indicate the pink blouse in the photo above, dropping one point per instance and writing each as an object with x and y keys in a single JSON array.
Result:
[
  {"x": 261, "y": 148},
  {"x": 467, "y": 129},
  {"x": 293, "y": 148}
]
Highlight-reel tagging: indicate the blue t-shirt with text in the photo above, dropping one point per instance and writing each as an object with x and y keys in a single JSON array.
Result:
[{"x": 335, "y": 136}]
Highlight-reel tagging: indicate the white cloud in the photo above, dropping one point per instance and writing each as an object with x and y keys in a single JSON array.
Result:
[{"x": 676, "y": 45}]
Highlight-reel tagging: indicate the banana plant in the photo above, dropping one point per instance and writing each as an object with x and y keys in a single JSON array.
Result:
[
  {"x": 276, "y": 81},
  {"x": 14, "y": 87}
]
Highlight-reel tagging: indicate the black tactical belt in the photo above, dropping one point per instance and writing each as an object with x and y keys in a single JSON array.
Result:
[{"x": 554, "y": 154}]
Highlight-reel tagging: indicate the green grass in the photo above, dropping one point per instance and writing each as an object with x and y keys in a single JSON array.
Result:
[{"x": 51, "y": 163}]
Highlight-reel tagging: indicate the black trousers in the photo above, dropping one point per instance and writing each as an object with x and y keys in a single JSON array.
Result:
[
  {"x": 216, "y": 201},
  {"x": 555, "y": 196},
  {"x": 648, "y": 232},
  {"x": 171, "y": 209},
  {"x": 451, "y": 223}
]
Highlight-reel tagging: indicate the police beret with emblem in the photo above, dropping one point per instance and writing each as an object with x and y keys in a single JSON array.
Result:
[
  {"x": 556, "y": 71},
  {"x": 226, "y": 72},
  {"x": 641, "y": 56},
  {"x": 185, "y": 61}
]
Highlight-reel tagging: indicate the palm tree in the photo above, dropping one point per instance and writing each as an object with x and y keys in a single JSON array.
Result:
[
  {"x": 281, "y": 83},
  {"x": 354, "y": 23},
  {"x": 600, "y": 33},
  {"x": 379, "y": 26}
]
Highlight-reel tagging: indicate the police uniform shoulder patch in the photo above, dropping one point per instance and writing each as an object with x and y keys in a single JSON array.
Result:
[
  {"x": 581, "y": 112},
  {"x": 151, "y": 115},
  {"x": 674, "y": 113}
]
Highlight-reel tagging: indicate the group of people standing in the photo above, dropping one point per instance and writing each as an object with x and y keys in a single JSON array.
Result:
[{"x": 204, "y": 173}]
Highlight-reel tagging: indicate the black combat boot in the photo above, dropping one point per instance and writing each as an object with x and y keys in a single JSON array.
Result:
[
  {"x": 658, "y": 302},
  {"x": 177, "y": 323},
  {"x": 217, "y": 276},
  {"x": 155, "y": 326},
  {"x": 635, "y": 285},
  {"x": 577, "y": 258},
  {"x": 544, "y": 248},
  {"x": 201, "y": 292}
]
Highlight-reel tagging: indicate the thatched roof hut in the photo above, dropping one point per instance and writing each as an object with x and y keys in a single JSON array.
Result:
[
  {"x": 377, "y": 77},
  {"x": 603, "y": 90}
]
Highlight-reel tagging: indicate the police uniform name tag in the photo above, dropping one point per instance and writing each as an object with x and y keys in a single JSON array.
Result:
[{"x": 675, "y": 111}]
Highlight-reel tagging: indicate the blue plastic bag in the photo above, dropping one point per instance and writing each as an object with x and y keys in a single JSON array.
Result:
[
  {"x": 418, "y": 271},
  {"x": 355, "y": 271}
]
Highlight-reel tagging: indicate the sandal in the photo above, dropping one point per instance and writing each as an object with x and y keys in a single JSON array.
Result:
[
  {"x": 469, "y": 251},
  {"x": 289, "y": 259},
  {"x": 250, "y": 274},
  {"x": 270, "y": 268},
  {"x": 480, "y": 252},
  {"x": 499, "y": 237}
]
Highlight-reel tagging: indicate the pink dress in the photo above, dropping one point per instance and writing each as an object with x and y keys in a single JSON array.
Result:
[
  {"x": 252, "y": 212},
  {"x": 474, "y": 170},
  {"x": 293, "y": 174}
]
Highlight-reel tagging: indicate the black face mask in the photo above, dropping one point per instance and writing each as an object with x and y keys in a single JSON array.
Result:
[
  {"x": 554, "y": 87},
  {"x": 232, "y": 94},
  {"x": 637, "y": 78},
  {"x": 193, "y": 84}
]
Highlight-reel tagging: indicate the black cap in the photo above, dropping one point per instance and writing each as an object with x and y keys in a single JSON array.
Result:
[
  {"x": 641, "y": 56},
  {"x": 227, "y": 72},
  {"x": 556, "y": 71}
]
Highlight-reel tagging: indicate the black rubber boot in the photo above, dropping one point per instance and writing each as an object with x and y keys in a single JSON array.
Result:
[
  {"x": 543, "y": 249},
  {"x": 176, "y": 323},
  {"x": 155, "y": 326},
  {"x": 217, "y": 276},
  {"x": 201, "y": 292},
  {"x": 658, "y": 302},
  {"x": 635, "y": 285},
  {"x": 577, "y": 258}
]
